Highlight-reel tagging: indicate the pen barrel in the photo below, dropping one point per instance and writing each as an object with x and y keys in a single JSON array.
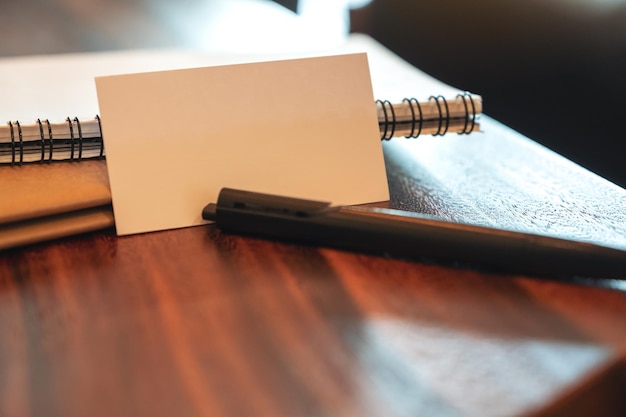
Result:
[{"x": 432, "y": 240}]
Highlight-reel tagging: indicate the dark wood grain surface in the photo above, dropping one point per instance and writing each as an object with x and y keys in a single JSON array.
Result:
[{"x": 194, "y": 322}]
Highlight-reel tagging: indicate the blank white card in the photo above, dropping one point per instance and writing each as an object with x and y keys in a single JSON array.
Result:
[{"x": 303, "y": 128}]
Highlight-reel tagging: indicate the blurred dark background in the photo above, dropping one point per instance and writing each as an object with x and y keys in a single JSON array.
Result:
[
  {"x": 554, "y": 70},
  {"x": 551, "y": 69}
]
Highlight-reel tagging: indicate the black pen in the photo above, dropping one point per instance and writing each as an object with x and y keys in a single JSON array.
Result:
[{"x": 412, "y": 235}]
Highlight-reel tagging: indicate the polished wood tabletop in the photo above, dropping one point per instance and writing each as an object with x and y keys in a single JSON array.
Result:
[
  {"x": 193, "y": 322},
  {"x": 196, "y": 322}
]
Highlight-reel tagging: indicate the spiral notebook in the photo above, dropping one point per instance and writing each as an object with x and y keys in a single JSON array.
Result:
[
  {"x": 52, "y": 200},
  {"x": 76, "y": 140}
]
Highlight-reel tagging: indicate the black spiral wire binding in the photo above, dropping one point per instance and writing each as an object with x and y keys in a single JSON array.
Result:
[
  {"x": 43, "y": 141},
  {"x": 51, "y": 139},
  {"x": 80, "y": 142},
  {"x": 389, "y": 122},
  {"x": 16, "y": 148},
  {"x": 71, "y": 129},
  {"x": 12, "y": 143},
  {"x": 444, "y": 121},
  {"x": 101, "y": 139},
  {"x": 386, "y": 105},
  {"x": 21, "y": 138},
  {"x": 80, "y": 138},
  {"x": 465, "y": 97},
  {"x": 414, "y": 103}
]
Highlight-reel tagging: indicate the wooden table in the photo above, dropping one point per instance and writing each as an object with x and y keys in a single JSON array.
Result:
[{"x": 194, "y": 322}]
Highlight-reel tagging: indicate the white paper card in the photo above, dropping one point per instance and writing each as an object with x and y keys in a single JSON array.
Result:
[{"x": 304, "y": 128}]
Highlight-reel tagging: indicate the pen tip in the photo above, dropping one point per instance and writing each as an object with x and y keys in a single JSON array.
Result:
[{"x": 208, "y": 213}]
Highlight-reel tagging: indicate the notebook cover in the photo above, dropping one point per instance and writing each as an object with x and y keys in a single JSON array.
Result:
[
  {"x": 59, "y": 225},
  {"x": 38, "y": 190},
  {"x": 47, "y": 201}
]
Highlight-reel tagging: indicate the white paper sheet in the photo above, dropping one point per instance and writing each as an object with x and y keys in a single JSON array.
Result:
[{"x": 303, "y": 128}]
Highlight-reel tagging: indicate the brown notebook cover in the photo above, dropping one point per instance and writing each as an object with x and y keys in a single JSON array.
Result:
[{"x": 46, "y": 201}]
